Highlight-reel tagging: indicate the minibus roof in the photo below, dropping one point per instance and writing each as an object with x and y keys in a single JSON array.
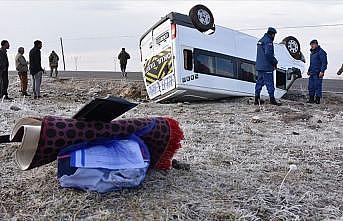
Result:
[{"x": 174, "y": 17}]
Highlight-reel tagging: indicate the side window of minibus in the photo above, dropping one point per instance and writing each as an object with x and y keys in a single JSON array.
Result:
[
  {"x": 247, "y": 72},
  {"x": 226, "y": 67},
  {"x": 188, "y": 59}
]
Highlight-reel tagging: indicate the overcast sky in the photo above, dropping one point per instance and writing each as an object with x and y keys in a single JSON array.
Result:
[{"x": 95, "y": 31}]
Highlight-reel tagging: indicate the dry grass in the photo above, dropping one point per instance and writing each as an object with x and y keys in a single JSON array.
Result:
[{"x": 237, "y": 166}]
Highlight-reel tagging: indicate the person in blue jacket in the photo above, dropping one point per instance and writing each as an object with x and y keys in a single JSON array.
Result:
[
  {"x": 318, "y": 65},
  {"x": 265, "y": 66}
]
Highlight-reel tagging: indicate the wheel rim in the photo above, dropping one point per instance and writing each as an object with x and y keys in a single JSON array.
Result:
[
  {"x": 204, "y": 17},
  {"x": 293, "y": 46}
]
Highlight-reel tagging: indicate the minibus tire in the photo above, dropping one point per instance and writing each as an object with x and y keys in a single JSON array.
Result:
[
  {"x": 193, "y": 14},
  {"x": 293, "y": 47}
]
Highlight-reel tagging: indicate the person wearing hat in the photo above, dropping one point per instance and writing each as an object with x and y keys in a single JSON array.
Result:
[
  {"x": 265, "y": 66},
  {"x": 53, "y": 63},
  {"x": 318, "y": 65},
  {"x": 21, "y": 66}
]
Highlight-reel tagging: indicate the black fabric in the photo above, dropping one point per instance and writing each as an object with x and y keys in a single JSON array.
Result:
[
  {"x": 123, "y": 67},
  {"x": 35, "y": 61},
  {"x": 104, "y": 109},
  {"x": 3, "y": 83},
  {"x": 3, "y": 60},
  {"x": 5, "y": 139},
  {"x": 64, "y": 167},
  {"x": 3, "y": 72}
]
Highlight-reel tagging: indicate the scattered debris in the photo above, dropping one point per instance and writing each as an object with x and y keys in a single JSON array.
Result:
[
  {"x": 15, "y": 108},
  {"x": 131, "y": 91},
  {"x": 180, "y": 166},
  {"x": 295, "y": 116},
  {"x": 94, "y": 91},
  {"x": 256, "y": 119},
  {"x": 292, "y": 167}
]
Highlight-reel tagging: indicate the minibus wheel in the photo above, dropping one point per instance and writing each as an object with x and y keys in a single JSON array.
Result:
[
  {"x": 202, "y": 18},
  {"x": 293, "y": 47}
]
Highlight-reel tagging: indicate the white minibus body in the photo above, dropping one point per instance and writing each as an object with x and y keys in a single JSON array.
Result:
[{"x": 180, "y": 63}]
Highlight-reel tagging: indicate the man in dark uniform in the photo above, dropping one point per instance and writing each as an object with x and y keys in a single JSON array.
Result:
[
  {"x": 4, "y": 70},
  {"x": 123, "y": 57},
  {"x": 318, "y": 65},
  {"x": 265, "y": 66}
]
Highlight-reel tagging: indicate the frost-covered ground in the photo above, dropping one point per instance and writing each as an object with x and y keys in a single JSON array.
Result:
[{"x": 239, "y": 154}]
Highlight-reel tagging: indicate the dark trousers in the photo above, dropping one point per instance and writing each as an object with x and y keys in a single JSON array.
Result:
[
  {"x": 315, "y": 84},
  {"x": 53, "y": 69},
  {"x": 267, "y": 79},
  {"x": 123, "y": 69},
  {"x": 3, "y": 83}
]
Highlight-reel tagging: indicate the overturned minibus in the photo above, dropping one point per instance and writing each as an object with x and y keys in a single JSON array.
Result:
[{"x": 190, "y": 58}]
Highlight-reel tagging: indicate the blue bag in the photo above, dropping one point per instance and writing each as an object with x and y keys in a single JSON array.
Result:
[{"x": 104, "y": 165}]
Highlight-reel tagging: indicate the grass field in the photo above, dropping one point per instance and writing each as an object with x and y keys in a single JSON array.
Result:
[{"x": 247, "y": 162}]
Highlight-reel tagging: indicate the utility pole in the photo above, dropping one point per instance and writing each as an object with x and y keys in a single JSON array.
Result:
[
  {"x": 76, "y": 59},
  {"x": 64, "y": 63}
]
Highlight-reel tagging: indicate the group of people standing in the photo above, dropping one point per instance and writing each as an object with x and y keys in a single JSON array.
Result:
[
  {"x": 23, "y": 67},
  {"x": 266, "y": 63},
  {"x": 34, "y": 67}
]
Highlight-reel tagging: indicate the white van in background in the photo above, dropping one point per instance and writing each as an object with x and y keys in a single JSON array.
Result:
[{"x": 181, "y": 62}]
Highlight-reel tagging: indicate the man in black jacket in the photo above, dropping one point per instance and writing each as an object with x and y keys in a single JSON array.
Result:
[
  {"x": 4, "y": 70},
  {"x": 36, "y": 69},
  {"x": 123, "y": 57}
]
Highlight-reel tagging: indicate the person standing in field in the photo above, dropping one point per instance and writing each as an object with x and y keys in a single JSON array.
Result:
[
  {"x": 4, "y": 70},
  {"x": 21, "y": 66},
  {"x": 265, "y": 66},
  {"x": 53, "y": 62},
  {"x": 36, "y": 69},
  {"x": 318, "y": 65},
  {"x": 123, "y": 57}
]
